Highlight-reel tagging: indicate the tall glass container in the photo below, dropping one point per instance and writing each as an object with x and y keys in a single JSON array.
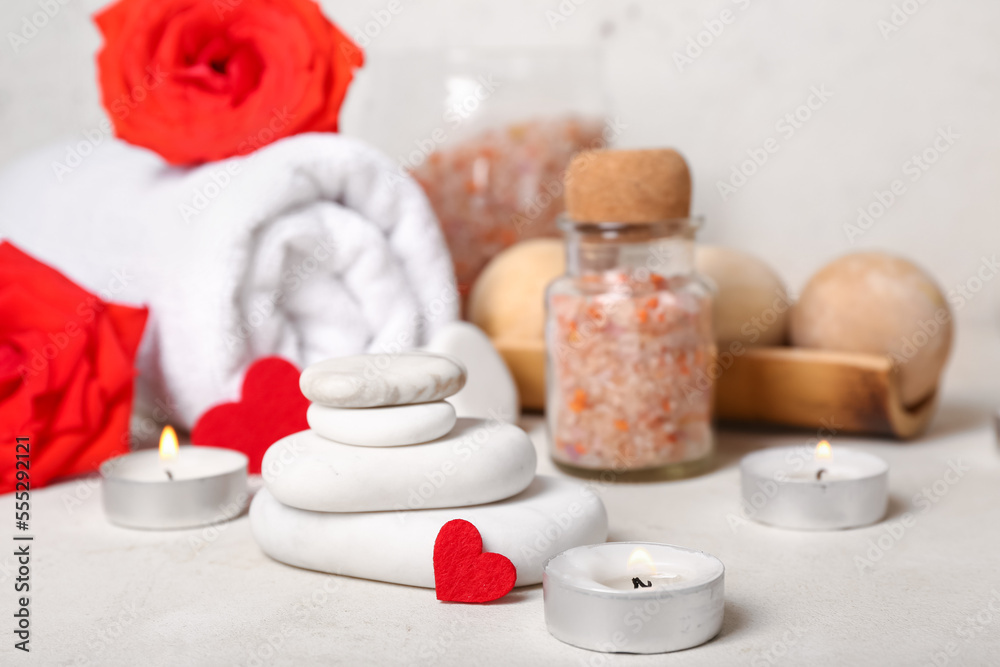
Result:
[{"x": 630, "y": 345}]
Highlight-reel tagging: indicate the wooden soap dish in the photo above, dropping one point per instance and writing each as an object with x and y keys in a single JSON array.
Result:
[{"x": 846, "y": 391}]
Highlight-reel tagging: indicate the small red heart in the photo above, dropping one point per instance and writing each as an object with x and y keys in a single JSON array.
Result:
[
  {"x": 462, "y": 572},
  {"x": 271, "y": 406}
]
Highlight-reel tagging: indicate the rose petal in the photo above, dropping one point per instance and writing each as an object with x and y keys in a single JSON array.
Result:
[{"x": 67, "y": 387}]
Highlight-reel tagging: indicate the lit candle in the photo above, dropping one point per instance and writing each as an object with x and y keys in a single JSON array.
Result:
[
  {"x": 175, "y": 487},
  {"x": 822, "y": 489},
  {"x": 642, "y": 572},
  {"x": 624, "y": 597},
  {"x": 169, "y": 445}
]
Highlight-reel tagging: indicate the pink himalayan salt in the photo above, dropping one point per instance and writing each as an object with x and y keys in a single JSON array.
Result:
[
  {"x": 501, "y": 186},
  {"x": 625, "y": 394}
]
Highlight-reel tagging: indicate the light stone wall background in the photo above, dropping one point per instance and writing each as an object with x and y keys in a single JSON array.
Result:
[{"x": 892, "y": 89}]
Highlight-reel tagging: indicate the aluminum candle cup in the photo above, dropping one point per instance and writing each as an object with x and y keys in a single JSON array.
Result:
[
  {"x": 633, "y": 597},
  {"x": 835, "y": 488},
  {"x": 205, "y": 485}
]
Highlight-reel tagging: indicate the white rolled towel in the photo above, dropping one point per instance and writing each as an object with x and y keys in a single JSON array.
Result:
[{"x": 312, "y": 247}]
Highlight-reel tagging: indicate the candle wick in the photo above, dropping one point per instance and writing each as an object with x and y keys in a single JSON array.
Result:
[
  {"x": 170, "y": 475},
  {"x": 819, "y": 473},
  {"x": 637, "y": 583}
]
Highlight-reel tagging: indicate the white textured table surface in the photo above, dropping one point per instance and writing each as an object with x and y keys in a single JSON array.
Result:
[{"x": 108, "y": 596}]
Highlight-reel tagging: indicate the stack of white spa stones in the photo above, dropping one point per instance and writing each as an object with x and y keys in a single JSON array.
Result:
[{"x": 386, "y": 463}]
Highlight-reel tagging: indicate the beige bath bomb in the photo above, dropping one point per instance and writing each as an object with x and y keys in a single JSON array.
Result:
[
  {"x": 874, "y": 302},
  {"x": 508, "y": 298},
  {"x": 751, "y": 304}
]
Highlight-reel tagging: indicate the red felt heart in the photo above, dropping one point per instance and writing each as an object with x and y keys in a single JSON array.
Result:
[
  {"x": 462, "y": 572},
  {"x": 270, "y": 407}
]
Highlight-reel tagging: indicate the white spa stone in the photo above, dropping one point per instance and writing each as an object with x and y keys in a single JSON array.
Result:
[
  {"x": 478, "y": 462},
  {"x": 489, "y": 391},
  {"x": 373, "y": 380},
  {"x": 383, "y": 427},
  {"x": 550, "y": 516}
]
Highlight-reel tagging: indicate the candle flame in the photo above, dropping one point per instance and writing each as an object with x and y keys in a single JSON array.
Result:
[
  {"x": 823, "y": 450},
  {"x": 168, "y": 444},
  {"x": 641, "y": 560}
]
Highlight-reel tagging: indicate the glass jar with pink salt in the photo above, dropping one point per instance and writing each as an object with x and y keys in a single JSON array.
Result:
[{"x": 629, "y": 339}]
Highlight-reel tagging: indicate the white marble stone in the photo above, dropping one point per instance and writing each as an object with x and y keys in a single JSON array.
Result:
[
  {"x": 550, "y": 516},
  {"x": 478, "y": 462},
  {"x": 489, "y": 391},
  {"x": 390, "y": 426},
  {"x": 373, "y": 380}
]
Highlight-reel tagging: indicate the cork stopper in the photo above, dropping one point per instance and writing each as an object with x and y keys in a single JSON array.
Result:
[{"x": 628, "y": 186}]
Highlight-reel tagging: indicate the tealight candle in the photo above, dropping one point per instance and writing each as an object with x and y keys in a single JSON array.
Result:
[
  {"x": 793, "y": 487},
  {"x": 633, "y": 597},
  {"x": 176, "y": 487}
]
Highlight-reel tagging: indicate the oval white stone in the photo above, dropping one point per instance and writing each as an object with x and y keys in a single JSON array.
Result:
[
  {"x": 373, "y": 380},
  {"x": 550, "y": 516},
  {"x": 383, "y": 427},
  {"x": 478, "y": 462},
  {"x": 489, "y": 391}
]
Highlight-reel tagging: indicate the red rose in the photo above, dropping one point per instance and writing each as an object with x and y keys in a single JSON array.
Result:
[
  {"x": 202, "y": 80},
  {"x": 66, "y": 370}
]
